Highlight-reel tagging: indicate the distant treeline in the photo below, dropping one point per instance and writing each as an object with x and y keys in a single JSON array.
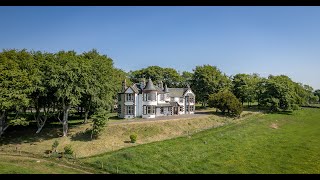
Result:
[
  {"x": 52, "y": 83},
  {"x": 275, "y": 92}
]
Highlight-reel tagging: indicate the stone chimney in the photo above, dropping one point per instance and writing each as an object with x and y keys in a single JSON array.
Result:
[
  {"x": 160, "y": 85},
  {"x": 142, "y": 83},
  {"x": 166, "y": 89},
  {"x": 124, "y": 85}
]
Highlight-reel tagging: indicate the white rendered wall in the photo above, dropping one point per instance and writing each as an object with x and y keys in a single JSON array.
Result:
[{"x": 139, "y": 105}]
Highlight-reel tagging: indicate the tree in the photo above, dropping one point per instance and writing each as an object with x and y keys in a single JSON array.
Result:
[
  {"x": 317, "y": 93},
  {"x": 207, "y": 80},
  {"x": 66, "y": 79},
  {"x": 42, "y": 97},
  {"x": 244, "y": 87},
  {"x": 169, "y": 76},
  {"x": 99, "y": 119},
  {"x": 186, "y": 78},
  {"x": 15, "y": 87},
  {"x": 225, "y": 100},
  {"x": 279, "y": 93}
]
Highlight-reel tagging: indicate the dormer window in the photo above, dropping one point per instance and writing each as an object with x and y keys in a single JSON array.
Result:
[{"x": 129, "y": 97}]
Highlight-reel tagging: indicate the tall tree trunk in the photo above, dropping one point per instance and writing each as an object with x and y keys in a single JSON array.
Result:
[
  {"x": 86, "y": 113},
  {"x": 87, "y": 109},
  {"x": 40, "y": 126},
  {"x": 3, "y": 125},
  {"x": 40, "y": 122},
  {"x": 66, "y": 109},
  {"x": 65, "y": 121},
  {"x": 81, "y": 112}
]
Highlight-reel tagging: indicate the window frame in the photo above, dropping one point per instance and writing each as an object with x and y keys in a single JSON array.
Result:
[{"x": 129, "y": 110}]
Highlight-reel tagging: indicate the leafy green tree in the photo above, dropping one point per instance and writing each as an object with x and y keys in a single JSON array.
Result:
[
  {"x": 186, "y": 78},
  {"x": 98, "y": 78},
  {"x": 15, "y": 87},
  {"x": 317, "y": 93},
  {"x": 168, "y": 76},
  {"x": 279, "y": 93},
  {"x": 42, "y": 97},
  {"x": 245, "y": 86},
  {"x": 207, "y": 80},
  {"x": 225, "y": 100},
  {"x": 66, "y": 79},
  {"x": 99, "y": 119}
]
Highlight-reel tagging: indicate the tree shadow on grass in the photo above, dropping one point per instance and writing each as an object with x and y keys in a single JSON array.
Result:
[
  {"x": 282, "y": 112},
  {"x": 115, "y": 118},
  {"x": 16, "y": 135},
  {"x": 82, "y": 136}
]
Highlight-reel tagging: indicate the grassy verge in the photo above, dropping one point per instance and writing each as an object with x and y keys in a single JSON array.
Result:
[{"x": 273, "y": 143}]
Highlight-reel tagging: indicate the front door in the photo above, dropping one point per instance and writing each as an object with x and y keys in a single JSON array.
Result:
[{"x": 175, "y": 110}]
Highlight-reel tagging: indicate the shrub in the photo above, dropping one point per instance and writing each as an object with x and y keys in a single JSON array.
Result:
[
  {"x": 55, "y": 145},
  {"x": 68, "y": 149},
  {"x": 295, "y": 107},
  {"x": 133, "y": 138}
]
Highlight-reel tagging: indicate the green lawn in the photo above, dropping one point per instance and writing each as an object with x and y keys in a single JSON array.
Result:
[
  {"x": 27, "y": 165},
  {"x": 273, "y": 143}
]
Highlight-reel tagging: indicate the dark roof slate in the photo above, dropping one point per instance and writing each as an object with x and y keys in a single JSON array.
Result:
[{"x": 177, "y": 92}]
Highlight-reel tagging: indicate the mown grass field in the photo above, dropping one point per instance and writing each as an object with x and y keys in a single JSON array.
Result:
[
  {"x": 272, "y": 143},
  {"x": 27, "y": 165}
]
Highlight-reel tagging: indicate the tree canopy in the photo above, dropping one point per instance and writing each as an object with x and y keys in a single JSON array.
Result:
[{"x": 207, "y": 80}]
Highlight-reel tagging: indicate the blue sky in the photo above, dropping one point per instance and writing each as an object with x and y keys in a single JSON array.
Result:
[{"x": 264, "y": 40}]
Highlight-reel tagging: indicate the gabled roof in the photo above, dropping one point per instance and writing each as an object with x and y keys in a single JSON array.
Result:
[
  {"x": 150, "y": 86},
  {"x": 135, "y": 88}
]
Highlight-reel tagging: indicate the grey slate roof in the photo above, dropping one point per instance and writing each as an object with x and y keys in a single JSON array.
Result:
[
  {"x": 177, "y": 92},
  {"x": 135, "y": 88},
  {"x": 150, "y": 86}
]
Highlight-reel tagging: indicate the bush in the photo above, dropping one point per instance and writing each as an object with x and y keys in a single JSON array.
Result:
[
  {"x": 55, "y": 145},
  {"x": 295, "y": 107},
  {"x": 68, "y": 149},
  {"x": 133, "y": 138}
]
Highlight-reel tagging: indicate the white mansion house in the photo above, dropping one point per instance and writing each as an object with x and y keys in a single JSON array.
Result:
[{"x": 150, "y": 101}]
